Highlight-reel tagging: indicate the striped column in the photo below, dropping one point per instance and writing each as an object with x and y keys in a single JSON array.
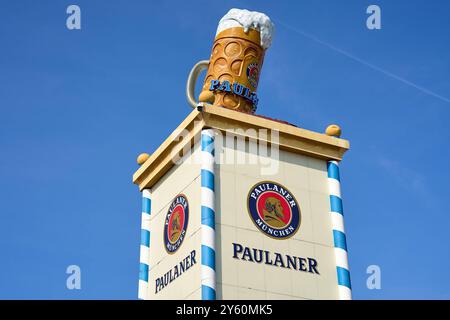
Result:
[
  {"x": 340, "y": 242},
  {"x": 208, "y": 232},
  {"x": 145, "y": 245}
]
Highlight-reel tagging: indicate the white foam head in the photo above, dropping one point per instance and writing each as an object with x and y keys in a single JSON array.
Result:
[{"x": 249, "y": 19}]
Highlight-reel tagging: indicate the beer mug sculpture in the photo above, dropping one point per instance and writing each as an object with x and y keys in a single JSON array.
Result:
[{"x": 234, "y": 67}]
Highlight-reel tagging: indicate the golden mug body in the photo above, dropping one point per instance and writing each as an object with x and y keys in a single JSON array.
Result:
[{"x": 236, "y": 59}]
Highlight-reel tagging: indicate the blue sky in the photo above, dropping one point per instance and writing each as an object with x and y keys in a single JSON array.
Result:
[{"x": 77, "y": 107}]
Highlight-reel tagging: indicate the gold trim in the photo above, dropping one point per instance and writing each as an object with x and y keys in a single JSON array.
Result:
[
  {"x": 162, "y": 159},
  {"x": 238, "y": 32},
  {"x": 291, "y": 138}
]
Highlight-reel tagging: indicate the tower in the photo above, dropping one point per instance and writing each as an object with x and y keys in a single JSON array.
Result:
[{"x": 239, "y": 206}]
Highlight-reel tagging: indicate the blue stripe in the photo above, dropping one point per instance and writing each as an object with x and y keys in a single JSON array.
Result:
[
  {"x": 208, "y": 257},
  {"x": 145, "y": 237},
  {"x": 333, "y": 171},
  {"x": 207, "y": 144},
  {"x": 146, "y": 205},
  {"x": 336, "y": 204},
  {"x": 208, "y": 293},
  {"x": 343, "y": 277},
  {"x": 143, "y": 272},
  {"x": 208, "y": 217},
  {"x": 207, "y": 179},
  {"x": 340, "y": 240}
]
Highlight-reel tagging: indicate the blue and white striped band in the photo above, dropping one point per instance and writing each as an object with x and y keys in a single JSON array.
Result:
[
  {"x": 340, "y": 242},
  {"x": 145, "y": 245},
  {"x": 208, "y": 233}
]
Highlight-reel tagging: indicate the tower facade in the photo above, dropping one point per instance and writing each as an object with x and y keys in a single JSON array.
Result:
[{"x": 238, "y": 206}]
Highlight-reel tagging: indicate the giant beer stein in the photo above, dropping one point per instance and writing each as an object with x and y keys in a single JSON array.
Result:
[{"x": 234, "y": 66}]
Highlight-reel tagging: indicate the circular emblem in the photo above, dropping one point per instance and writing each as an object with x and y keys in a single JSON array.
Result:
[
  {"x": 176, "y": 223},
  {"x": 253, "y": 74},
  {"x": 273, "y": 209}
]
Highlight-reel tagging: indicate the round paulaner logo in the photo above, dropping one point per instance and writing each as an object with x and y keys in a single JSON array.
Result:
[
  {"x": 175, "y": 224},
  {"x": 273, "y": 209},
  {"x": 253, "y": 74}
]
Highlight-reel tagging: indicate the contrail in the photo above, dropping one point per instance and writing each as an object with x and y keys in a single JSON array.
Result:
[{"x": 367, "y": 64}]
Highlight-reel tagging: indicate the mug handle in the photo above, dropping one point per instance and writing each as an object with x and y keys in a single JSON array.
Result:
[{"x": 192, "y": 79}]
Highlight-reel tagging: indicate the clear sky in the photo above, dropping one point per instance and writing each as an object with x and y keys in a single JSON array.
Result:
[{"x": 77, "y": 107}]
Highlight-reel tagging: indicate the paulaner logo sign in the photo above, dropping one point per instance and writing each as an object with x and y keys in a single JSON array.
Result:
[
  {"x": 275, "y": 259},
  {"x": 253, "y": 74},
  {"x": 175, "y": 272},
  {"x": 236, "y": 88},
  {"x": 176, "y": 223},
  {"x": 273, "y": 209}
]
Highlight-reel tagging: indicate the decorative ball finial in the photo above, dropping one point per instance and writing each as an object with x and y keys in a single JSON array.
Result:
[
  {"x": 142, "y": 158},
  {"x": 333, "y": 130}
]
